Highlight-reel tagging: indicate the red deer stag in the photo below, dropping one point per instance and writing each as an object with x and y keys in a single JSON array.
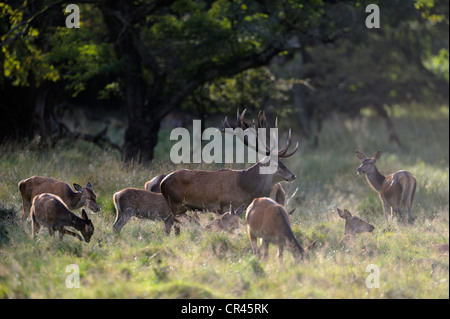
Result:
[
  {"x": 214, "y": 190},
  {"x": 140, "y": 203},
  {"x": 395, "y": 190},
  {"x": 36, "y": 185},
  {"x": 50, "y": 211},
  {"x": 268, "y": 220}
]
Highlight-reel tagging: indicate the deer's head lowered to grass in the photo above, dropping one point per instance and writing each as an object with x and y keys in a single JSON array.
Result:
[
  {"x": 268, "y": 220},
  {"x": 50, "y": 211},
  {"x": 36, "y": 185}
]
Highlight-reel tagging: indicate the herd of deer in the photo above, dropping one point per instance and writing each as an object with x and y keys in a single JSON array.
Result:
[{"x": 49, "y": 202}]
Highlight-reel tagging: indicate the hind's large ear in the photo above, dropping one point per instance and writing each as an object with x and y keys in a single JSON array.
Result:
[
  {"x": 344, "y": 214},
  {"x": 84, "y": 215},
  {"x": 77, "y": 187},
  {"x": 360, "y": 155},
  {"x": 377, "y": 155}
]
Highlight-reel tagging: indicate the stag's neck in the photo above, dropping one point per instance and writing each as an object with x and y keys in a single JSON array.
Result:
[
  {"x": 259, "y": 185},
  {"x": 375, "y": 179}
]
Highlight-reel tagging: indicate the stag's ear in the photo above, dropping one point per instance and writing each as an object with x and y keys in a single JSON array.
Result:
[
  {"x": 360, "y": 155},
  {"x": 77, "y": 187},
  {"x": 84, "y": 215},
  {"x": 88, "y": 185},
  {"x": 291, "y": 212},
  {"x": 377, "y": 155},
  {"x": 240, "y": 210}
]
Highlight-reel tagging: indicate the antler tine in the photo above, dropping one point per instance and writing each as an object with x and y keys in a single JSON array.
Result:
[
  {"x": 240, "y": 119},
  {"x": 284, "y": 150},
  {"x": 262, "y": 119},
  {"x": 292, "y": 152}
]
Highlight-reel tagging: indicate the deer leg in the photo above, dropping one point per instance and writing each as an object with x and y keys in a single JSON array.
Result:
[
  {"x": 168, "y": 223},
  {"x": 26, "y": 210},
  {"x": 35, "y": 227},
  {"x": 386, "y": 210},
  {"x": 253, "y": 242},
  {"x": 63, "y": 231},
  {"x": 280, "y": 251},
  {"x": 121, "y": 219},
  {"x": 409, "y": 202},
  {"x": 263, "y": 250},
  {"x": 51, "y": 231}
]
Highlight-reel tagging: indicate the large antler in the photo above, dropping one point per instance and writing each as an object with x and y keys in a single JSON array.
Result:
[{"x": 262, "y": 123}]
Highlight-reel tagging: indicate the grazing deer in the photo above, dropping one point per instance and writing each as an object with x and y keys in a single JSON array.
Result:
[
  {"x": 227, "y": 222},
  {"x": 140, "y": 203},
  {"x": 214, "y": 191},
  {"x": 268, "y": 220},
  {"x": 50, "y": 211},
  {"x": 153, "y": 184},
  {"x": 353, "y": 225},
  {"x": 36, "y": 185},
  {"x": 395, "y": 190}
]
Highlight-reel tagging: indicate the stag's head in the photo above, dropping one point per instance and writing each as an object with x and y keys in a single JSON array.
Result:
[
  {"x": 88, "y": 197},
  {"x": 367, "y": 164},
  {"x": 265, "y": 144}
]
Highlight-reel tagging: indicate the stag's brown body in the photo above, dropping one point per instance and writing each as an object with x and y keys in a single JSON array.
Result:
[
  {"x": 140, "y": 203},
  {"x": 268, "y": 220},
  {"x": 214, "y": 191},
  {"x": 36, "y": 185},
  {"x": 50, "y": 211}
]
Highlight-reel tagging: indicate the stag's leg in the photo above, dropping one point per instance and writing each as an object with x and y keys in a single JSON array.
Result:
[{"x": 51, "y": 231}]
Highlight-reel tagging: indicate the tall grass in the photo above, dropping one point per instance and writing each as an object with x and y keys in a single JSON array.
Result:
[{"x": 144, "y": 262}]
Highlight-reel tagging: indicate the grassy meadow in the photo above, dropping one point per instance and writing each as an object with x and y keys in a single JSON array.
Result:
[{"x": 144, "y": 263}]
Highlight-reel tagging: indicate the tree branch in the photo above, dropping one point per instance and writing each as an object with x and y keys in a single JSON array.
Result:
[{"x": 210, "y": 71}]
